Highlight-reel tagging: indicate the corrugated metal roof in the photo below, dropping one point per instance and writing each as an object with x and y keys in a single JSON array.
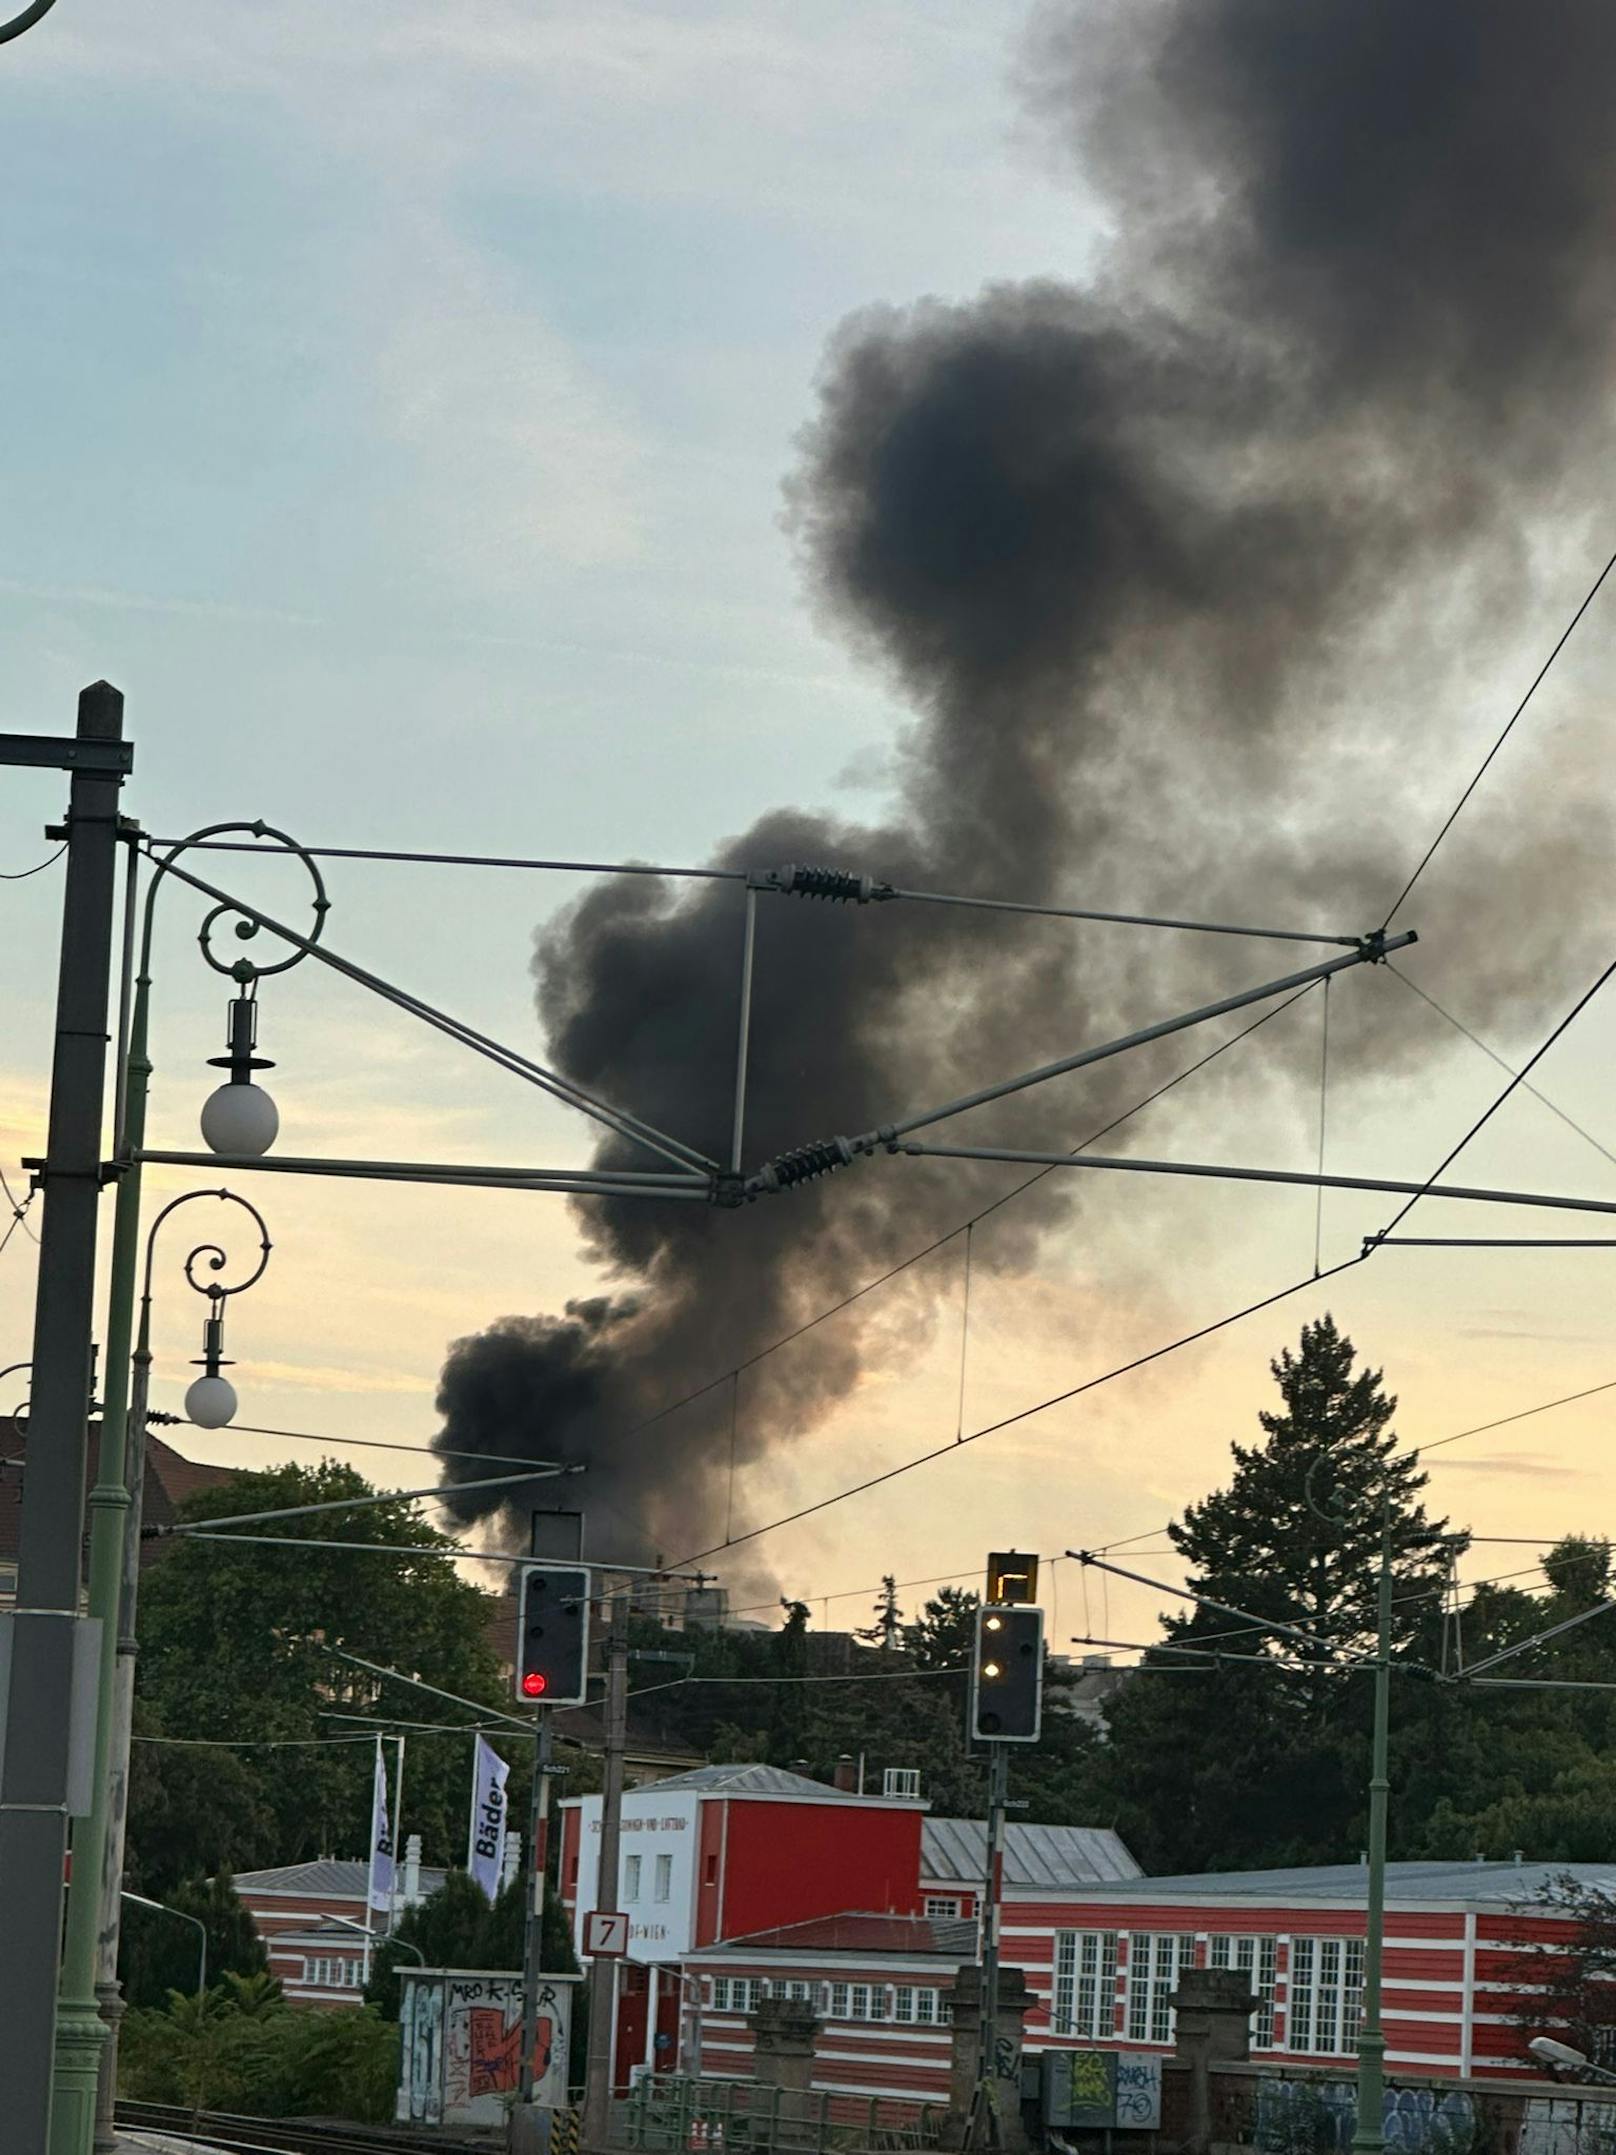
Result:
[
  {"x": 327, "y": 1878},
  {"x": 956, "y": 1849},
  {"x": 754, "y": 1780},
  {"x": 1502, "y": 1884},
  {"x": 861, "y": 1934}
]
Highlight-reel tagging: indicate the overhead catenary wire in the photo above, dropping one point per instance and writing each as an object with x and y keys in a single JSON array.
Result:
[
  {"x": 1508, "y": 1068},
  {"x": 837, "y": 884},
  {"x": 1481, "y": 771}
]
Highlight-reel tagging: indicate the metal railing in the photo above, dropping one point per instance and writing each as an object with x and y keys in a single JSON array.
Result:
[{"x": 675, "y": 2115}]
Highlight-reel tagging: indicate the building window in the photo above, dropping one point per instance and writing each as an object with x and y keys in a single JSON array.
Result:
[
  {"x": 662, "y": 1887},
  {"x": 330, "y": 1972},
  {"x": 1254, "y": 1958},
  {"x": 838, "y": 2001},
  {"x": 710, "y": 1874},
  {"x": 1326, "y": 1996},
  {"x": 879, "y": 2001},
  {"x": 942, "y": 1904},
  {"x": 631, "y": 1878},
  {"x": 1084, "y": 1997},
  {"x": 915, "y": 2008},
  {"x": 733, "y": 1994},
  {"x": 799, "y": 1993},
  {"x": 1154, "y": 1960}
]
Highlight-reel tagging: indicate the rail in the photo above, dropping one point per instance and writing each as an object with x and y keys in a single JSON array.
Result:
[
  {"x": 239, "y": 2135},
  {"x": 675, "y": 2115}
]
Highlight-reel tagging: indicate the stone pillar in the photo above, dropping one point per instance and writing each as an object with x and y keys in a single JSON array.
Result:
[
  {"x": 1014, "y": 2002},
  {"x": 1212, "y": 2010},
  {"x": 784, "y": 2032}
]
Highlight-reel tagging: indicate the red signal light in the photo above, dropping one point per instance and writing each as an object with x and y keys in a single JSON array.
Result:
[{"x": 535, "y": 1684}]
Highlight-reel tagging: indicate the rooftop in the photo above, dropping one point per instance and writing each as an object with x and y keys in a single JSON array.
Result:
[
  {"x": 328, "y": 1878},
  {"x": 862, "y": 1934},
  {"x": 955, "y": 1849},
  {"x": 170, "y": 1479},
  {"x": 757, "y": 1780},
  {"x": 1501, "y": 1885}
]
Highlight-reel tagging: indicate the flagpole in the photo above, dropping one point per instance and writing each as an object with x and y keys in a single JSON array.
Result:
[
  {"x": 393, "y": 1909},
  {"x": 380, "y": 1772}
]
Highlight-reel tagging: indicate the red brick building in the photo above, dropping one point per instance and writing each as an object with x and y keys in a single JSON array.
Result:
[
  {"x": 305, "y": 1913},
  {"x": 1102, "y": 1960}
]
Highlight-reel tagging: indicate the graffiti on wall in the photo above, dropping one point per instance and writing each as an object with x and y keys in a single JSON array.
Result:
[
  {"x": 462, "y": 2046},
  {"x": 1317, "y": 2117}
]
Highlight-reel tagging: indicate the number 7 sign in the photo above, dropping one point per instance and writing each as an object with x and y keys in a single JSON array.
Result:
[{"x": 605, "y": 1936}]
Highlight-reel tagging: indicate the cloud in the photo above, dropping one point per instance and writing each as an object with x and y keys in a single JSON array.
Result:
[
  {"x": 1537, "y": 1464},
  {"x": 518, "y": 460}
]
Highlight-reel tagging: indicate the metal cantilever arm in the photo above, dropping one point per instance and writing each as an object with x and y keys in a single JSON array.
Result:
[
  {"x": 550, "y": 1081},
  {"x": 792, "y": 1168}
]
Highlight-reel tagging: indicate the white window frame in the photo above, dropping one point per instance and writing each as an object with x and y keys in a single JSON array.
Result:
[
  {"x": 942, "y": 1904},
  {"x": 1324, "y": 1999},
  {"x": 1256, "y": 1957},
  {"x": 1155, "y": 1959},
  {"x": 662, "y": 1879},
  {"x": 838, "y": 2008},
  {"x": 1083, "y": 1998},
  {"x": 631, "y": 1879}
]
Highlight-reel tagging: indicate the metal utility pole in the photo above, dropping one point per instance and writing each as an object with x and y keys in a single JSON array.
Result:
[
  {"x": 1370, "y": 2136},
  {"x": 538, "y": 1849},
  {"x": 992, "y": 1904},
  {"x": 34, "y": 1787},
  {"x": 603, "y": 1968}
]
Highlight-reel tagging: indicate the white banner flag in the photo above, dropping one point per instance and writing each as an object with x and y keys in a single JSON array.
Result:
[
  {"x": 380, "y": 1894},
  {"x": 487, "y": 1841}
]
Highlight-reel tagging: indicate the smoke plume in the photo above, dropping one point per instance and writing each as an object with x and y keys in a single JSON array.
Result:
[{"x": 1173, "y": 571}]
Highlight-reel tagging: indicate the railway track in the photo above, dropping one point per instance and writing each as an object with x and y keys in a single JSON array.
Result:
[{"x": 284, "y": 2136}]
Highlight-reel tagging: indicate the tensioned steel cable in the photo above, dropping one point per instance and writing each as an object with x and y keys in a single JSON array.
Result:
[{"x": 1481, "y": 771}]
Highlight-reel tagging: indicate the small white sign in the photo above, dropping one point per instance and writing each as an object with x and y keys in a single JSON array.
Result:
[
  {"x": 605, "y": 1936},
  {"x": 1139, "y": 2085}
]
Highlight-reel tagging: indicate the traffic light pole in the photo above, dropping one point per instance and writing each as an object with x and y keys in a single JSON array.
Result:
[
  {"x": 992, "y": 1903},
  {"x": 538, "y": 1838},
  {"x": 603, "y": 1968}
]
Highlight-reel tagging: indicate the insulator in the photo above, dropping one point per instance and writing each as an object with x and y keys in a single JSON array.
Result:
[
  {"x": 837, "y": 884},
  {"x": 806, "y": 1162}
]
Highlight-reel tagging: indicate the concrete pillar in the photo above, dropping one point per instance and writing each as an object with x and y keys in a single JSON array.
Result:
[
  {"x": 1212, "y": 2010},
  {"x": 1014, "y": 2001},
  {"x": 784, "y": 2033}
]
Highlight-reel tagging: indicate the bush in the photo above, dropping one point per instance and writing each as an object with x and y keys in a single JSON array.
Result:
[{"x": 265, "y": 2060}]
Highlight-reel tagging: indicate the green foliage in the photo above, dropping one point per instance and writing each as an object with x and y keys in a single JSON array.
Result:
[
  {"x": 1300, "y": 1735},
  {"x": 159, "y": 1955},
  {"x": 233, "y": 1645},
  {"x": 457, "y": 1928},
  {"x": 266, "y": 2061}
]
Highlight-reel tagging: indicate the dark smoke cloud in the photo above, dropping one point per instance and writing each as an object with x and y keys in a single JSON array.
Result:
[{"x": 1173, "y": 571}]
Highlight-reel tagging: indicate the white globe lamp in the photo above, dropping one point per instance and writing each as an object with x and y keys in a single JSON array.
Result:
[
  {"x": 240, "y": 1120},
  {"x": 211, "y": 1402}
]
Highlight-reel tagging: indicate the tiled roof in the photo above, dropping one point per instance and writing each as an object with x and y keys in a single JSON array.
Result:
[
  {"x": 332, "y": 1878},
  {"x": 862, "y": 1934},
  {"x": 170, "y": 1479},
  {"x": 1500, "y": 1884},
  {"x": 956, "y": 1849}
]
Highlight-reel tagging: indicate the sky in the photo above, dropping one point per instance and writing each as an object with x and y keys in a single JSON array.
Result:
[{"x": 401, "y": 399}]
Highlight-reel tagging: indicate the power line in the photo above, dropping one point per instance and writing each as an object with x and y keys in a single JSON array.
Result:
[
  {"x": 1481, "y": 771},
  {"x": 1487, "y": 1114},
  {"x": 17, "y": 1210},
  {"x": 1493, "y": 1056},
  {"x": 21, "y": 875},
  {"x": 1023, "y": 1414}
]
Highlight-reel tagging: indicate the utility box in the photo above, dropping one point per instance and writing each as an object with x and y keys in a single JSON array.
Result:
[{"x": 460, "y": 2043}]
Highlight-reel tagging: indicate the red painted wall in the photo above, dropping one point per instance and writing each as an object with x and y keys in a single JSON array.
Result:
[
  {"x": 709, "y": 1872},
  {"x": 786, "y": 1862}
]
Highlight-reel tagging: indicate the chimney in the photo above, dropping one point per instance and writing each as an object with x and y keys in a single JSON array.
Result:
[
  {"x": 412, "y": 1870},
  {"x": 846, "y": 1775}
]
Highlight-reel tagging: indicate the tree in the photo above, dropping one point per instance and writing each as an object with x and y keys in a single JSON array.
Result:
[
  {"x": 457, "y": 1928},
  {"x": 1570, "y": 1992},
  {"x": 236, "y": 1643},
  {"x": 158, "y": 1954},
  {"x": 1284, "y": 1721},
  {"x": 887, "y": 1630}
]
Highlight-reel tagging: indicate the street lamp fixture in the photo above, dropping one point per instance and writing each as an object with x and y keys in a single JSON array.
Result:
[
  {"x": 1548, "y": 2052},
  {"x": 239, "y": 1118}
]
